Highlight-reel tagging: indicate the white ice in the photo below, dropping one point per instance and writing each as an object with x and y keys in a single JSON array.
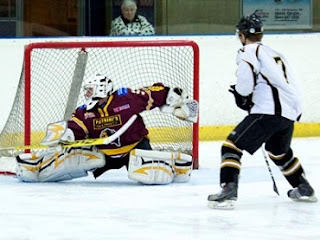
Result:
[{"x": 113, "y": 207}]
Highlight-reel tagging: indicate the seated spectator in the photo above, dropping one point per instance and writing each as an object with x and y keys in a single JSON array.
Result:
[{"x": 130, "y": 23}]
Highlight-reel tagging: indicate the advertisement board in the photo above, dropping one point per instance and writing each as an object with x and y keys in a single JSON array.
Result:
[{"x": 281, "y": 14}]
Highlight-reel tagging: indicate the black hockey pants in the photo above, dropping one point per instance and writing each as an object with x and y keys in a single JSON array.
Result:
[{"x": 256, "y": 129}]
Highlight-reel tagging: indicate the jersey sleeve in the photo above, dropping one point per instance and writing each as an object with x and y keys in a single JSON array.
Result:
[
  {"x": 76, "y": 124},
  {"x": 248, "y": 68},
  {"x": 146, "y": 98},
  {"x": 157, "y": 95}
]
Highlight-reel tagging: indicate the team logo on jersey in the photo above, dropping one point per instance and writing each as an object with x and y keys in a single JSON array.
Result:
[
  {"x": 121, "y": 108},
  {"x": 107, "y": 133},
  {"x": 109, "y": 121}
]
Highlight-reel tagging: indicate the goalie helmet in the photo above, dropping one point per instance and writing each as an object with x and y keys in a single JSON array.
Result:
[
  {"x": 250, "y": 25},
  {"x": 96, "y": 88}
]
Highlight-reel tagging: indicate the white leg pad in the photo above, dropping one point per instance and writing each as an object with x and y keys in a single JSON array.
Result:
[
  {"x": 59, "y": 166},
  {"x": 182, "y": 168},
  {"x": 151, "y": 167},
  {"x": 26, "y": 168}
]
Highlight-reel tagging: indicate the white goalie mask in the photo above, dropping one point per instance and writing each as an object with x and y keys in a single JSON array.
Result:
[{"x": 96, "y": 88}]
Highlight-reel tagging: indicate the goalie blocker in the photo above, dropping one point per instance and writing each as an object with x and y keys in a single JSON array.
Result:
[{"x": 145, "y": 166}]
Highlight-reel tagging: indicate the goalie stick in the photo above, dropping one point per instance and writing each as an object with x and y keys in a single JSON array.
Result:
[{"x": 83, "y": 142}]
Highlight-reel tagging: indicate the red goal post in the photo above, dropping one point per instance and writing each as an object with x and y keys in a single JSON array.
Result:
[{"x": 50, "y": 87}]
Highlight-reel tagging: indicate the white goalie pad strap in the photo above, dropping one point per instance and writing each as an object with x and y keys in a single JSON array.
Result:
[
  {"x": 188, "y": 111},
  {"x": 57, "y": 132},
  {"x": 151, "y": 167},
  {"x": 59, "y": 166}
]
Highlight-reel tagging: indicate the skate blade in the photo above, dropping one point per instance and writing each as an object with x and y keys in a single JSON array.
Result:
[
  {"x": 305, "y": 199},
  {"x": 225, "y": 205}
]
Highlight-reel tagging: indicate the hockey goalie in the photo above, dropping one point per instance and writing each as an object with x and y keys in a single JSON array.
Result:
[{"x": 105, "y": 113}]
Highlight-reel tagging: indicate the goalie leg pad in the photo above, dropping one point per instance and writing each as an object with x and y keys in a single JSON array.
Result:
[
  {"x": 151, "y": 167},
  {"x": 182, "y": 168},
  {"x": 27, "y": 167},
  {"x": 59, "y": 166}
]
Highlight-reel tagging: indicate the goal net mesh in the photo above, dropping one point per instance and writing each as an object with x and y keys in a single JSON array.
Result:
[{"x": 51, "y": 85}]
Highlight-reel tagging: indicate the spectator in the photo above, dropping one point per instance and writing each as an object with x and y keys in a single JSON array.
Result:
[{"x": 129, "y": 22}]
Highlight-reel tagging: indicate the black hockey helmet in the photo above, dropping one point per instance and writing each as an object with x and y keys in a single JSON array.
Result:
[{"x": 250, "y": 25}]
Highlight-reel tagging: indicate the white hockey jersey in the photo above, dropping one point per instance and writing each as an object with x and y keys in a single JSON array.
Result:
[{"x": 267, "y": 75}]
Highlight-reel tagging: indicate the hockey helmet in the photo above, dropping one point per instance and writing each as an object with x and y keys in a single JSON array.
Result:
[
  {"x": 96, "y": 88},
  {"x": 250, "y": 25}
]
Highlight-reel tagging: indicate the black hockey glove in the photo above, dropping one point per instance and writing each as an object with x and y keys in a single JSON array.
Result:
[{"x": 242, "y": 102}]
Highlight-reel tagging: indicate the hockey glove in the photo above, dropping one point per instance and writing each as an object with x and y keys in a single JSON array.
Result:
[
  {"x": 58, "y": 133},
  {"x": 242, "y": 102},
  {"x": 179, "y": 104},
  {"x": 188, "y": 111},
  {"x": 175, "y": 98}
]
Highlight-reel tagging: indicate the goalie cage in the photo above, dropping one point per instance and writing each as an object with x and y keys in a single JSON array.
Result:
[{"x": 50, "y": 87}]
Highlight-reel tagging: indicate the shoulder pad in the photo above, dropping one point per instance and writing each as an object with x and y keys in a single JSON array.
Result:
[
  {"x": 122, "y": 91},
  {"x": 84, "y": 106}
]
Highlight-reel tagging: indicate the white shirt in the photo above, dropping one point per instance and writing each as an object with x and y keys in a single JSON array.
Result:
[{"x": 267, "y": 75}]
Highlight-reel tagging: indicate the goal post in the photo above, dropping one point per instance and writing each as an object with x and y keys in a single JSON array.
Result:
[{"x": 53, "y": 77}]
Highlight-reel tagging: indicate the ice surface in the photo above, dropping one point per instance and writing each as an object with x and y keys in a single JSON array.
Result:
[{"x": 113, "y": 207}]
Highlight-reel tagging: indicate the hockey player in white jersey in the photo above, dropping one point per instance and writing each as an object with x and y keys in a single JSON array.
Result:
[{"x": 266, "y": 89}]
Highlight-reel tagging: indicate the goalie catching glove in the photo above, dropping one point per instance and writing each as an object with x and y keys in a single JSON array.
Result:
[{"x": 179, "y": 104}]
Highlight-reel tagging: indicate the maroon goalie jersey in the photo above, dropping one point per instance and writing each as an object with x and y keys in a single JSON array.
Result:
[{"x": 104, "y": 120}]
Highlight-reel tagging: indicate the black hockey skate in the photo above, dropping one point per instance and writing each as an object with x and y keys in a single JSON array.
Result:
[
  {"x": 303, "y": 193},
  {"x": 226, "y": 198}
]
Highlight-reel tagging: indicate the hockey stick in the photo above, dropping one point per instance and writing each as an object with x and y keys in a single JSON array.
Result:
[
  {"x": 275, "y": 189},
  {"x": 83, "y": 142}
]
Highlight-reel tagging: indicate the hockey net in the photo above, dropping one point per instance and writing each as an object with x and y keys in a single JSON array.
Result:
[{"x": 50, "y": 87}]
